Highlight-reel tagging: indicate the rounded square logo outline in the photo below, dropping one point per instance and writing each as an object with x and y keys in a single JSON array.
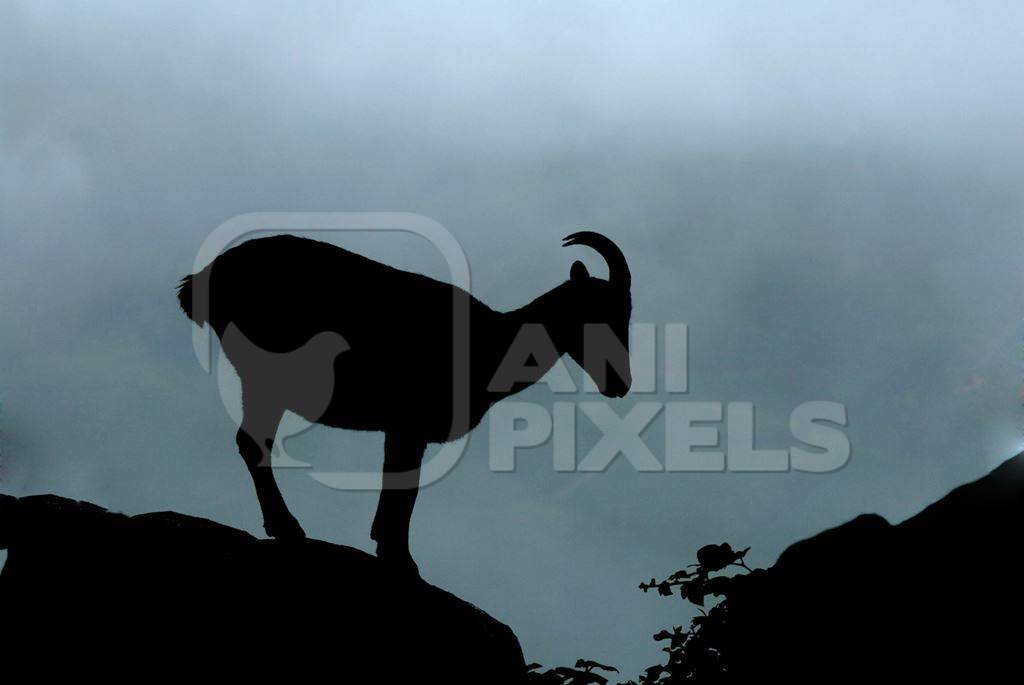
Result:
[{"x": 245, "y": 225}]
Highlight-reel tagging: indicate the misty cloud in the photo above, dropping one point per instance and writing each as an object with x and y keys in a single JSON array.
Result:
[{"x": 829, "y": 195}]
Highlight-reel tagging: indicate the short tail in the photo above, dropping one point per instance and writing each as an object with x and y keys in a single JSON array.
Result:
[{"x": 194, "y": 301}]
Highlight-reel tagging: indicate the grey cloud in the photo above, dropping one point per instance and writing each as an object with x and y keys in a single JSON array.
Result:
[{"x": 828, "y": 194}]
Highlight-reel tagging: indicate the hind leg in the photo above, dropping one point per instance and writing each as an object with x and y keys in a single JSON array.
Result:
[{"x": 255, "y": 440}]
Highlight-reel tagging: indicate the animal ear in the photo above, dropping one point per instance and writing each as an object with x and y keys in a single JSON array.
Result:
[{"x": 578, "y": 272}]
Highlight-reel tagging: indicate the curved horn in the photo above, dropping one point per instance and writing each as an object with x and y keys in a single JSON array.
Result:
[{"x": 618, "y": 270}]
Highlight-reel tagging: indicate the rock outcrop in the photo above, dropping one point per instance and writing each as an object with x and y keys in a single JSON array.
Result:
[
  {"x": 937, "y": 596},
  {"x": 86, "y": 590}
]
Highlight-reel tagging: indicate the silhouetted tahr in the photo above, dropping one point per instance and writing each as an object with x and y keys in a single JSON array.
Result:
[{"x": 346, "y": 341}]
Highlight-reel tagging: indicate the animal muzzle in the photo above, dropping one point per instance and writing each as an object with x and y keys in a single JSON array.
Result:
[{"x": 614, "y": 386}]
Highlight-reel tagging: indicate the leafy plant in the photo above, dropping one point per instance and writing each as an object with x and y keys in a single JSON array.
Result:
[
  {"x": 694, "y": 655},
  {"x": 581, "y": 674}
]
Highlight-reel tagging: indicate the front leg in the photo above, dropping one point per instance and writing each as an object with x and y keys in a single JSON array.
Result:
[{"x": 402, "y": 459}]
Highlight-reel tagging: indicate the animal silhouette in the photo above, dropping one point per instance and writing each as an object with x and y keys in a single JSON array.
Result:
[{"x": 348, "y": 342}]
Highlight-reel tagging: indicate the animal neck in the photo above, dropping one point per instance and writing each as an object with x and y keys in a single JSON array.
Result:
[{"x": 532, "y": 340}]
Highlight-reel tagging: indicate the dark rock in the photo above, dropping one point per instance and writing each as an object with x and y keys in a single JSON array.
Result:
[
  {"x": 85, "y": 590},
  {"x": 937, "y": 596}
]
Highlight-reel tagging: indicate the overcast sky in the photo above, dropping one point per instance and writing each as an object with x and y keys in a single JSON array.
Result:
[{"x": 828, "y": 194}]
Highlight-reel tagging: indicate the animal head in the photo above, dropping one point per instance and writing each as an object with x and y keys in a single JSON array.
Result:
[{"x": 600, "y": 313}]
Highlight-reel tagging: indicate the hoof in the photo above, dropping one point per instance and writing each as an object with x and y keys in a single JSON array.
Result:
[
  {"x": 284, "y": 528},
  {"x": 398, "y": 561}
]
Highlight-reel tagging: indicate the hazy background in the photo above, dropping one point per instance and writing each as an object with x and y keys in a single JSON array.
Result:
[{"x": 829, "y": 194}]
